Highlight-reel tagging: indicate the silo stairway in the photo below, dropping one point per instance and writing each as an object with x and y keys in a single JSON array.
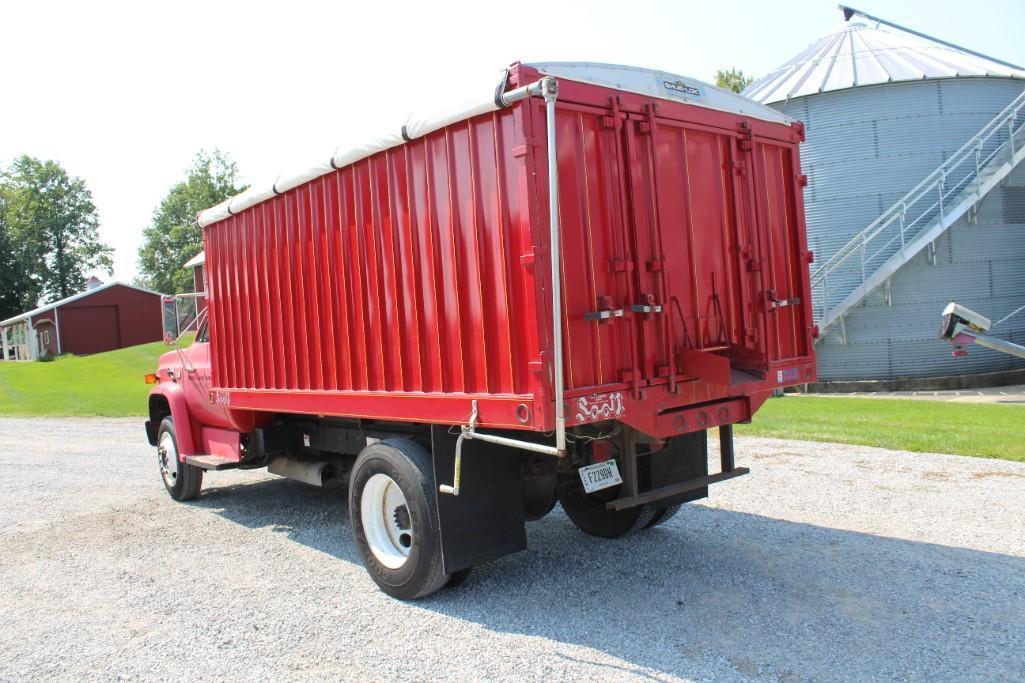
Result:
[{"x": 919, "y": 217}]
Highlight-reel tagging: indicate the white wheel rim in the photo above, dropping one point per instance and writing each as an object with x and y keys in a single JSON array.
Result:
[
  {"x": 167, "y": 458},
  {"x": 386, "y": 521}
]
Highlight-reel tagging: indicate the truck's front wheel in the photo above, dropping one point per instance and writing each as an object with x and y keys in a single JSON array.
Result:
[
  {"x": 394, "y": 520},
  {"x": 182, "y": 480}
]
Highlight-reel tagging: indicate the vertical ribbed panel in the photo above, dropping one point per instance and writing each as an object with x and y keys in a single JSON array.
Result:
[
  {"x": 400, "y": 273},
  {"x": 594, "y": 235},
  {"x": 786, "y": 267}
]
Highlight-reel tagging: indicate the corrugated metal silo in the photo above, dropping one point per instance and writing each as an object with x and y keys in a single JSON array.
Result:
[{"x": 885, "y": 107}]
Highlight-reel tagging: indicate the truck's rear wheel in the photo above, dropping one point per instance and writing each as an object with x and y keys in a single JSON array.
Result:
[
  {"x": 458, "y": 578},
  {"x": 588, "y": 512},
  {"x": 664, "y": 515},
  {"x": 392, "y": 510},
  {"x": 182, "y": 480}
]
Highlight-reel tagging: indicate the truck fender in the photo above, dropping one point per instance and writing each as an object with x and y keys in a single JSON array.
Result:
[{"x": 169, "y": 399}]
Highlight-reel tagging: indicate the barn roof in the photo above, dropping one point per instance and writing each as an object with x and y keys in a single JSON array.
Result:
[
  {"x": 74, "y": 297},
  {"x": 867, "y": 50},
  {"x": 485, "y": 97}
]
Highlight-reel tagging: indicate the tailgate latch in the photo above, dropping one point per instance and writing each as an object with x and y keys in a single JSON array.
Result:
[
  {"x": 605, "y": 311},
  {"x": 649, "y": 305},
  {"x": 775, "y": 302}
]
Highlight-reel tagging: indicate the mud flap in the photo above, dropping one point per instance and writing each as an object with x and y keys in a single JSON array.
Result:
[
  {"x": 684, "y": 458},
  {"x": 486, "y": 520}
]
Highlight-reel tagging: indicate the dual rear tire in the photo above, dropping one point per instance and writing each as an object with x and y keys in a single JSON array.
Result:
[{"x": 588, "y": 512}]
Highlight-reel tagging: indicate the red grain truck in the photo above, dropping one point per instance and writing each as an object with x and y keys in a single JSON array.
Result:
[{"x": 548, "y": 295}]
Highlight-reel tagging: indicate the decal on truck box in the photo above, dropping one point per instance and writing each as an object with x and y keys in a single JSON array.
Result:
[
  {"x": 599, "y": 407},
  {"x": 788, "y": 375}
]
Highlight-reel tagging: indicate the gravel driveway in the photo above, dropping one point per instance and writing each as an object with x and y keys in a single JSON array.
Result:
[{"x": 827, "y": 562}]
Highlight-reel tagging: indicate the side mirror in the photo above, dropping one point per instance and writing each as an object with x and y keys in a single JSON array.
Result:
[{"x": 169, "y": 309}]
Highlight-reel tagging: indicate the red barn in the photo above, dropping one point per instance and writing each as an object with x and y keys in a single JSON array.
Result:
[{"x": 102, "y": 318}]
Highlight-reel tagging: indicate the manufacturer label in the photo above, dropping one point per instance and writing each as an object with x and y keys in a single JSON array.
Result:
[
  {"x": 599, "y": 407},
  {"x": 678, "y": 88},
  {"x": 220, "y": 397}
]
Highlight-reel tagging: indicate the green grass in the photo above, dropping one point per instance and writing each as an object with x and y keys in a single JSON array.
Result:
[
  {"x": 977, "y": 429},
  {"x": 105, "y": 384},
  {"x": 111, "y": 384}
]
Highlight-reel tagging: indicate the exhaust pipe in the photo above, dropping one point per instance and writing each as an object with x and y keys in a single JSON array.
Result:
[{"x": 300, "y": 470}]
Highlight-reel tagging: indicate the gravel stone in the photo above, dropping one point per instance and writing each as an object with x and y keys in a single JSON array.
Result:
[{"x": 827, "y": 562}]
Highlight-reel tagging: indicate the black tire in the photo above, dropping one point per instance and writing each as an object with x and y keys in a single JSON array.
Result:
[
  {"x": 409, "y": 467},
  {"x": 663, "y": 516},
  {"x": 458, "y": 578},
  {"x": 187, "y": 480},
  {"x": 540, "y": 494},
  {"x": 588, "y": 511}
]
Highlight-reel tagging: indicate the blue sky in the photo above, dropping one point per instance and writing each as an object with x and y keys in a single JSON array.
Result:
[{"x": 124, "y": 94}]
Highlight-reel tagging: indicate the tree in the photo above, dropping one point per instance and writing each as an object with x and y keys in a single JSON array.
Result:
[
  {"x": 11, "y": 276},
  {"x": 173, "y": 237},
  {"x": 734, "y": 79},
  {"x": 51, "y": 228}
]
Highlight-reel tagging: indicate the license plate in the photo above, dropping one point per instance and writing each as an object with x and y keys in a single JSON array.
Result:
[{"x": 600, "y": 475}]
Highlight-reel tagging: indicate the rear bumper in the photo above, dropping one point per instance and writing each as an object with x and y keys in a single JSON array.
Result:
[
  {"x": 666, "y": 410},
  {"x": 676, "y": 421}
]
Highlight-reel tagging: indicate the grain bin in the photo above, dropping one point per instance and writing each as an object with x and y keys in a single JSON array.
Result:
[{"x": 889, "y": 111}]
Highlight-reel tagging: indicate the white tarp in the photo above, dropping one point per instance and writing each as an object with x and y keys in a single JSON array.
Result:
[
  {"x": 658, "y": 84},
  {"x": 350, "y": 154}
]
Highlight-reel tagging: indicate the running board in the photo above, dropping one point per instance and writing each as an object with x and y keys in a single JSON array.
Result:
[
  {"x": 211, "y": 462},
  {"x": 675, "y": 489}
]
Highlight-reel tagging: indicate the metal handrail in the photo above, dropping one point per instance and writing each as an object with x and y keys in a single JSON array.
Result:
[{"x": 938, "y": 189}]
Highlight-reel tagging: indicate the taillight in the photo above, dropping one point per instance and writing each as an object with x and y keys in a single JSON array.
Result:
[{"x": 600, "y": 451}]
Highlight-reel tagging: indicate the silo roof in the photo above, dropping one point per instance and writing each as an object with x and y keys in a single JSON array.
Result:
[{"x": 867, "y": 50}]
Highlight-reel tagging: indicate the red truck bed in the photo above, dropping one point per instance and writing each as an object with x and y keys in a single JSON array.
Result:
[{"x": 409, "y": 283}]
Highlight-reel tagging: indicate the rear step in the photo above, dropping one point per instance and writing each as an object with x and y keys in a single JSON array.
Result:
[
  {"x": 634, "y": 497},
  {"x": 675, "y": 489},
  {"x": 211, "y": 462}
]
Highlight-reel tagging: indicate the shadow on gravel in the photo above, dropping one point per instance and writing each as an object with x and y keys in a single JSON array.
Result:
[
  {"x": 316, "y": 517},
  {"x": 717, "y": 590}
]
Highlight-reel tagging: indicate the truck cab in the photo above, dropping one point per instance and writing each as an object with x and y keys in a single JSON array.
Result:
[{"x": 185, "y": 421}]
